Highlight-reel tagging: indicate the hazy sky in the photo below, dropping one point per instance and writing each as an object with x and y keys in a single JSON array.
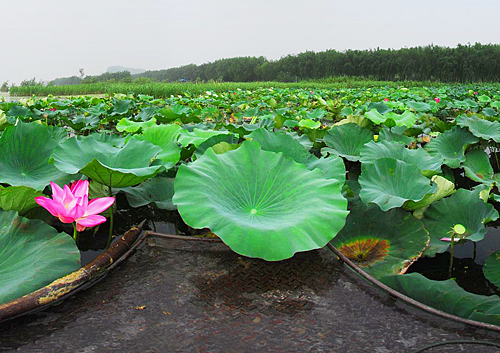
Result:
[{"x": 54, "y": 38}]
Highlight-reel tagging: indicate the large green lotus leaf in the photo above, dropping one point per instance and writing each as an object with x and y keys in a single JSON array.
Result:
[
  {"x": 18, "y": 198},
  {"x": 477, "y": 167},
  {"x": 444, "y": 188},
  {"x": 451, "y": 145},
  {"x": 106, "y": 163},
  {"x": 228, "y": 142},
  {"x": 24, "y": 160},
  {"x": 383, "y": 243},
  {"x": 197, "y": 136},
  {"x": 389, "y": 134},
  {"x": 281, "y": 142},
  {"x": 347, "y": 140},
  {"x": 447, "y": 296},
  {"x": 463, "y": 207},
  {"x": 332, "y": 167},
  {"x": 164, "y": 136},
  {"x": 407, "y": 119},
  {"x": 157, "y": 190},
  {"x": 260, "y": 203},
  {"x": 128, "y": 125},
  {"x": 32, "y": 255},
  {"x": 427, "y": 164},
  {"x": 389, "y": 183},
  {"x": 419, "y": 106},
  {"x": 488, "y": 130},
  {"x": 491, "y": 268}
]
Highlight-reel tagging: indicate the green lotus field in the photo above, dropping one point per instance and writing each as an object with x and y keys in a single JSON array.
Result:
[{"x": 388, "y": 175}]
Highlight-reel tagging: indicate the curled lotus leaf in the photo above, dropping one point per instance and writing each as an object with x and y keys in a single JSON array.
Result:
[
  {"x": 451, "y": 145},
  {"x": 383, "y": 243},
  {"x": 24, "y": 161},
  {"x": 32, "y": 255},
  {"x": 444, "y": 188},
  {"x": 463, "y": 207},
  {"x": 131, "y": 126},
  {"x": 260, "y": 203},
  {"x": 389, "y": 183},
  {"x": 427, "y": 164},
  {"x": 447, "y": 296},
  {"x": 485, "y": 129},
  {"x": 108, "y": 161},
  {"x": 347, "y": 140}
]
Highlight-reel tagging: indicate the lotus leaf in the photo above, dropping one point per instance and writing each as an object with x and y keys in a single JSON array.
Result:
[
  {"x": 332, "y": 167},
  {"x": 488, "y": 130},
  {"x": 260, "y": 203},
  {"x": 24, "y": 160},
  {"x": 382, "y": 243},
  {"x": 157, "y": 190},
  {"x": 444, "y": 188},
  {"x": 477, "y": 167},
  {"x": 164, "y": 136},
  {"x": 427, "y": 164},
  {"x": 224, "y": 142},
  {"x": 18, "y": 198},
  {"x": 407, "y": 119},
  {"x": 389, "y": 134},
  {"x": 419, "y": 106},
  {"x": 451, "y": 146},
  {"x": 197, "y": 136},
  {"x": 128, "y": 125},
  {"x": 347, "y": 140},
  {"x": 491, "y": 268},
  {"x": 389, "y": 183},
  {"x": 463, "y": 207},
  {"x": 32, "y": 255},
  {"x": 108, "y": 161},
  {"x": 447, "y": 296}
]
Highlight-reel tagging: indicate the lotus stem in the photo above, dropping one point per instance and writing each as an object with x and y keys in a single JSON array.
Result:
[
  {"x": 496, "y": 156},
  {"x": 75, "y": 233},
  {"x": 451, "y": 254},
  {"x": 110, "y": 236}
]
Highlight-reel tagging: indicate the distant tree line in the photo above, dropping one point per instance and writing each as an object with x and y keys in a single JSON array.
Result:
[{"x": 465, "y": 63}]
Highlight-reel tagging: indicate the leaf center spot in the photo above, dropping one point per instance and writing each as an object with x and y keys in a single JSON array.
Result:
[{"x": 253, "y": 211}]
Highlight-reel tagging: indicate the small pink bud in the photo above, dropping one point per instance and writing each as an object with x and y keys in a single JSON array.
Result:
[
  {"x": 386, "y": 99},
  {"x": 475, "y": 93},
  {"x": 437, "y": 100}
]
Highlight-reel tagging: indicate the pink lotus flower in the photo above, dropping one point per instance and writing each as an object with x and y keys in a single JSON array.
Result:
[
  {"x": 437, "y": 100},
  {"x": 52, "y": 109},
  {"x": 71, "y": 204},
  {"x": 475, "y": 93},
  {"x": 386, "y": 99}
]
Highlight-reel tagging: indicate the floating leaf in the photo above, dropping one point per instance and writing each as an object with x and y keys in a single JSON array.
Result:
[
  {"x": 463, "y": 207},
  {"x": 419, "y": 106},
  {"x": 347, "y": 140},
  {"x": 382, "y": 243},
  {"x": 427, "y": 164},
  {"x": 107, "y": 160},
  {"x": 390, "y": 135},
  {"x": 407, "y": 119},
  {"x": 24, "y": 160},
  {"x": 447, "y": 296},
  {"x": 260, "y": 203},
  {"x": 18, "y": 198},
  {"x": 485, "y": 129},
  {"x": 491, "y": 268},
  {"x": 390, "y": 183},
  {"x": 451, "y": 146},
  {"x": 32, "y": 255},
  {"x": 157, "y": 190}
]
